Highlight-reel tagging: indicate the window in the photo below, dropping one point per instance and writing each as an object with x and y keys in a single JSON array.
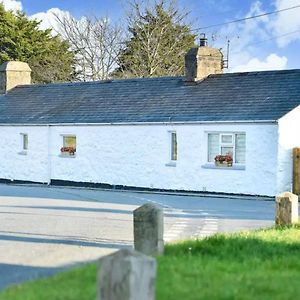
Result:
[
  {"x": 233, "y": 144},
  {"x": 69, "y": 145},
  {"x": 173, "y": 146},
  {"x": 24, "y": 141}
]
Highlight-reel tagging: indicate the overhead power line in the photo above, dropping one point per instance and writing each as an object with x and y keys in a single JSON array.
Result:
[
  {"x": 274, "y": 37},
  {"x": 247, "y": 18},
  {"x": 267, "y": 40}
]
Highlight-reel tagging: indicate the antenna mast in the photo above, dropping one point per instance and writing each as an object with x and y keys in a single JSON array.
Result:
[{"x": 225, "y": 63}]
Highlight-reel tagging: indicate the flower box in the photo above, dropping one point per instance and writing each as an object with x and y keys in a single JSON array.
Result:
[
  {"x": 223, "y": 160},
  {"x": 223, "y": 164},
  {"x": 68, "y": 150}
]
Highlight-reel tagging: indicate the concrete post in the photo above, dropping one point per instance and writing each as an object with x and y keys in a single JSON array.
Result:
[
  {"x": 126, "y": 275},
  {"x": 148, "y": 222},
  {"x": 286, "y": 209}
]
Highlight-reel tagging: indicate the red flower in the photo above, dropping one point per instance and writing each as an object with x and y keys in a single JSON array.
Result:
[
  {"x": 222, "y": 158},
  {"x": 71, "y": 150}
]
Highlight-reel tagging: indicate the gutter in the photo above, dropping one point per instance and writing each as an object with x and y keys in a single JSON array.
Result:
[{"x": 146, "y": 123}]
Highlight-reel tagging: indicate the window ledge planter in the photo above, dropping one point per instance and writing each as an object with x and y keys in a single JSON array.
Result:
[
  {"x": 67, "y": 151},
  {"x": 223, "y": 161},
  {"x": 223, "y": 164}
]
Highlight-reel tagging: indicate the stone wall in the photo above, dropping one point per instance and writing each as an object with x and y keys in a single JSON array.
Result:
[
  {"x": 14, "y": 73},
  {"x": 201, "y": 62},
  {"x": 289, "y": 138},
  {"x": 139, "y": 155}
]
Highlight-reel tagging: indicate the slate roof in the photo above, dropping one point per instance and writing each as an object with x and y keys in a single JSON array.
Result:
[{"x": 252, "y": 96}]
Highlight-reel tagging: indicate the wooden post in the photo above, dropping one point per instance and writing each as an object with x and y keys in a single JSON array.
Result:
[{"x": 296, "y": 171}]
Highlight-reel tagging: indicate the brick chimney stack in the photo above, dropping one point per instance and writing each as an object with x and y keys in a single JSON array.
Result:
[
  {"x": 202, "y": 61},
  {"x": 14, "y": 73}
]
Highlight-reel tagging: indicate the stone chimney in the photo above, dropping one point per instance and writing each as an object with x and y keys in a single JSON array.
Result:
[
  {"x": 14, "y": 73},
  {"x": 202, "y": 61}
]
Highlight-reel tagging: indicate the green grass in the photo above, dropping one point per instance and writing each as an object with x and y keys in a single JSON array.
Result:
[{"x": 262, "y": 264}]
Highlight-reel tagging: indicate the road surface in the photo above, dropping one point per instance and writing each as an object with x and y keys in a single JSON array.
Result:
[{"x": 47, "y": 229}]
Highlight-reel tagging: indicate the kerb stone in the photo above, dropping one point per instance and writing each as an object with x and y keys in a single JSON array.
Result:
[
  {"x": 286, "y": 209},
  {"x": 148, "y": 222},
  {"x": 126, "y": 275}
]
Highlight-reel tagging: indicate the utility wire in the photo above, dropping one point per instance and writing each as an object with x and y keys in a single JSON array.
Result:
[
  {"x": 247, "y": 18},
  {"x": 267, "y": 40}
]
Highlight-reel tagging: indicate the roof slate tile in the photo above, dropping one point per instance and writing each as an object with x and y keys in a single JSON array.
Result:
[{"x": 250, "y": 96}]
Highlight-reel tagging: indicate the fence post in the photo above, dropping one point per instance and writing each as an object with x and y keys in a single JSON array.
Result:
[
  {"x": 296, "y": 171},
  {"x": 126, "y": 275},
  {"x": 286, "y": 209},
  {"x": 148, "y": 223}
]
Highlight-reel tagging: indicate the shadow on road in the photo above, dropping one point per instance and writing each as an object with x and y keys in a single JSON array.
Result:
[
  {"x": 14, "y": 274},
  {"x": 73, "y": 242}
]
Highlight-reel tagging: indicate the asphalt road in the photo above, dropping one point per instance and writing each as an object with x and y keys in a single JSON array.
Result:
[{"x": 45, "y": 229}]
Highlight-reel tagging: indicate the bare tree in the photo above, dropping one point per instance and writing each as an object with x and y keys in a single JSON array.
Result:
[
  {"x": 159, "y": 38},
  {"x": 96, "y": 42}
]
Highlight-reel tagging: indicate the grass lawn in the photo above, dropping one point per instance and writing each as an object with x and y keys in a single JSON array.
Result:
[{"x": 262, "y": 264}]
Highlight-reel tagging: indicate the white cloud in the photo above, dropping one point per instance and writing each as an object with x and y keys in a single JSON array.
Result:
[
  {"x": 247, "y": 51},
  {"x": 13, "y": 5},
  {"x": 48, "y": 18},
  {"x": 286, "y": 22},
  {"x": 272, "y": 62},
  {"x": 243, "y": 34}
]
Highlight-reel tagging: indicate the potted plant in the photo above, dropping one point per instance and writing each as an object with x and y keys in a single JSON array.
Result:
[
  {"x": 224, "y": 160},
  {"x": 68, "y": 150}
]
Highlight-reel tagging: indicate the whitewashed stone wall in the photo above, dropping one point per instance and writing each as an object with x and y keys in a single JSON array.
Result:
[
  {"x": 18, "y": 165},
  {"x": 288, "y": 138},
  {"x": 138, "y": 156}
]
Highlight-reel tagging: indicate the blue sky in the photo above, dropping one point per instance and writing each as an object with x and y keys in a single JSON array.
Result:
[{"x": 255, "y": 44}]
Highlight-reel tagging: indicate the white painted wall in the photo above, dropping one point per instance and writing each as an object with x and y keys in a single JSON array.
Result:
[
  {"x": 288, "y": 138},
  {"x": 137, "y": 156},
  {"x": 16, "y": 165}
]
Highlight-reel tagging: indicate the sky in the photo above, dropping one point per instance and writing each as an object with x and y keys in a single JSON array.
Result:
[{"x": 267, "y": 43}]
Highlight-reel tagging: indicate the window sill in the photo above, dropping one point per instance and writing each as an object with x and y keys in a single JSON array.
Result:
[
  {"x": 22, "y": 152},
  {"x": 67, "y": 155},
  {"x": 171, "y": 164},
  {"x": 234, "y": 167}
]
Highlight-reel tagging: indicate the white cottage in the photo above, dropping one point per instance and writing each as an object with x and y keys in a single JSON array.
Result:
[{"x": 154, "y": 133}]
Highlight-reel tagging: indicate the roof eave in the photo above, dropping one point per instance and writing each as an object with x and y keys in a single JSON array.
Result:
[{"x": 146, "y": 123}]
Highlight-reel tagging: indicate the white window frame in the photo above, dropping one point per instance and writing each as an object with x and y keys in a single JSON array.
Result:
[
  {"x": 65, "y": 154},
  {"x": 232, "y": 144},
  {"x": 169, "y": 157},
  {"x": 23, "y": 149},
  {"x": 171, "y": 146},
  {"x": 222, "y": 144}
]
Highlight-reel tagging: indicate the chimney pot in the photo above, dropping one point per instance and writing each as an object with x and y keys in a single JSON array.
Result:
[{"x": 203, "y": 40}]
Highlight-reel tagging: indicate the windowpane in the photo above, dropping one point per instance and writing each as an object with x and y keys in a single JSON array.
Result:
[
  {"x": 240, "y": 148},
  {"x": 25, "y": 141},
  {"x": 233, "y": 144},
  {"x": 213, "y": 146},
  {"x": 173, "y": 146},
  {"x": 70, "y": 141},
  {"x": 227, "y": 150},
  {"x": 226, "y": 139}
]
